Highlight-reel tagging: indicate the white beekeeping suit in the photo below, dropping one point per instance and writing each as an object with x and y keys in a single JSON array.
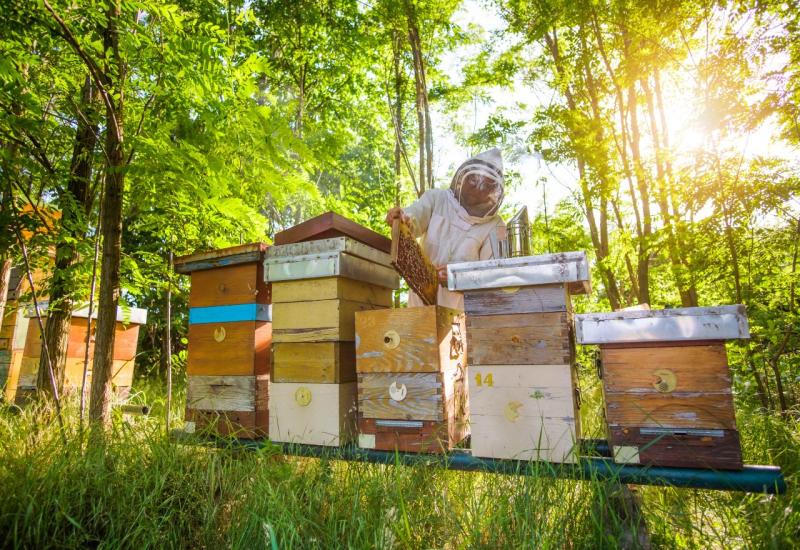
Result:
[{"x": 447, "y": 223}]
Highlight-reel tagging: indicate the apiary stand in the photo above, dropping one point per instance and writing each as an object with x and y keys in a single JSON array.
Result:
[{"x": 750, "y": 479}]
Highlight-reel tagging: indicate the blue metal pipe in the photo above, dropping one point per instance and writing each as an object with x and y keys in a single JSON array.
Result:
[{"x": 750, "y": 479}]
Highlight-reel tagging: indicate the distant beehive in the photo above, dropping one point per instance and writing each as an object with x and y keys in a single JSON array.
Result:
[
  {"x": 412, "y": 386},
  {"x": 230, "y": 334},
  {"x": 126, "y": 341},
  {"x": 318, "y": 286},
  {"x": 668, "y": 399},
  {"x": 14, "y": 331},
  {"x": 523, "y": 385}
]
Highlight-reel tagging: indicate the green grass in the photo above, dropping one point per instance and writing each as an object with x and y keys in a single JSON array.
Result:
[{"x": 142, "y": 491}]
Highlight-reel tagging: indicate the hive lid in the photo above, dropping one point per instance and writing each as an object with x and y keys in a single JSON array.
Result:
[
  {"x": 325, "y": 247},
  {"x": 329, "y": 225},
  {"x": 571, "y": 268},
  {"x": 125, "y": 314},
  {"x": 221, "y": 257},
  {"x": 665, "y": 325}
]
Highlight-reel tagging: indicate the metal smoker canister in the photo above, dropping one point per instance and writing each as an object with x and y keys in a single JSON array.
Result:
[{"x": 519, "y": 234}]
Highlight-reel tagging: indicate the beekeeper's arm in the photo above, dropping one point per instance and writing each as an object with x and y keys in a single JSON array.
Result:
[{"x": 417, "y": 215}]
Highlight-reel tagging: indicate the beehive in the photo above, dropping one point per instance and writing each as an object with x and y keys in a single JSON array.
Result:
[
  {"x": 318, "y": 286},
  {"x": 523, "y": 386},
  {"x": 412, "y": 386},
  {"x": 230, "y": 333},
  {"x": 12, "y": 346},
  {"x": 125, "y": 344},
  {"x": 666, "y": 383}
]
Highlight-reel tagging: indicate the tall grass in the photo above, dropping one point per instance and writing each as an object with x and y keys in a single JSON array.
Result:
[{"x": 143, "y": 491}]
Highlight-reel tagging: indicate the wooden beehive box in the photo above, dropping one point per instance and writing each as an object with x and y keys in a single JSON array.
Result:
[
  {"x": 523, "y": 386},
  {"x": 230, "y": 334},
  {"x": 318, "y": 286},
  {"x": 313, "y": 414},
  {"x": 126, "y": 341},
  {"x": 12, "y": 346},
  {"x": 667, "y": 387},
  {"x": 412, "y": 386}
]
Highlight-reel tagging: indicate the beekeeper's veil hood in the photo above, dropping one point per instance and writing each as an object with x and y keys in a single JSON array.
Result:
[{"x": 483, "y": 174}]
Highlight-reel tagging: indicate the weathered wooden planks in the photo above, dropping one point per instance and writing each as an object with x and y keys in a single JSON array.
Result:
[
  {"x": 530, "y": 299},
  {"x": 233, "y": 349},
  {"x": 713, "y": 449},
  {"x": 230, "y": 341},
  {"x": 229, "y": 285},
  {"x": 315, "y": 414},
  {"x": 410, "y": 435},
  {"x": 329, "y": 225},
  {"x": 317, "y": 321},
  {"x": 422, "y": 339},
  {"x": 318, "y": 288},
  {"x": 331, "y": 288},
  {"x": 319, "y": 362},
  {"x": 412, "y": 376},
  {"x": 526, "y": 338},
  {"x": 666, "y": 383},
  {"x": 523, "y": 389},
  {"x": 241, "y": 423}
]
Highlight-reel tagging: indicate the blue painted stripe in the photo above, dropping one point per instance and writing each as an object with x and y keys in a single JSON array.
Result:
[{"x": 230, "y": 314}]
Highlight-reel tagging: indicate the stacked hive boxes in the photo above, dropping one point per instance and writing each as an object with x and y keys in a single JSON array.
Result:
[
  {"x": 666, "y": 383},
  {"x": 318, "y": 286},
  {"x": 125, "y": 343},
  {"x": 229, "y": 341},
  {"x": 523, "y": 391},
  {"x": 412, "y": 386}
]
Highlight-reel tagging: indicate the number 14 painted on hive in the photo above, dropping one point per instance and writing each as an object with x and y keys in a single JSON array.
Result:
[{"x": 487, "y": 380}]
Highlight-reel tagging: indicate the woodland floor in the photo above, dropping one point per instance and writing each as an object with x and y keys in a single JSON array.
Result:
[{"x": 143, "y": 491}]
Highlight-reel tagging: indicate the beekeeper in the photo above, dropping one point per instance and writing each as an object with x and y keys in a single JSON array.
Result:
[{"x": 459, "y": 224}]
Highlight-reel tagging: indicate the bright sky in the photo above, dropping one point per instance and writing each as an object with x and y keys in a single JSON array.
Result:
[{"x": 686, "y": 130}]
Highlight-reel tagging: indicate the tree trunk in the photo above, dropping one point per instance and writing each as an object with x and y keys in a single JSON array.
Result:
[
  {"x": 678, "y": 264},
  {"x": 111, "y": 223},
  {"x": 75, "y": 203},
  {"x": 425, "y": 132}
]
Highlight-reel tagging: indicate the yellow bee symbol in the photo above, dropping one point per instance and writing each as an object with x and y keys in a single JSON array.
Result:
[{"x": 511, "y": 412}]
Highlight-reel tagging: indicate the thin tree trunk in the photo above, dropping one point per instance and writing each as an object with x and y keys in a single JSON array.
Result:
[
  {"x": 5, "y": 276},
  {"x": 677, "y": 263},
  {"x": 92, "y": 289},
  {"x": 169, "y": 342},
  {"x": 421, "y": 101},
  {"x": 609, "y": 279},
  {"x": 111, "y": 223},
  {"x": 75, "y": 203}
]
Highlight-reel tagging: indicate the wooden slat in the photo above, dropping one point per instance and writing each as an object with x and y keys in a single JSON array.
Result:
[
  {"x": 419, "y": 339},
  {"x": 320, "y": 362},
  {"x": 532, "y": 338},
  {"x": 696, "y": 368},
  {"x": 526, "y": 439},
  {"x": 430, "y": 437},
  {"x": 523, "y": 391},
  {"x": 330, "y": 225},
  {"x": 677, "y": 450},
  {"x": 319, "y": 321},
  {"x": 243, "y": 351},
  {"x": 331, "y": 288},
  {"x": 243, "y": 424},
  {"x": 424, "y": 399},
  {"x": 221, "y": 393},
  {"x": 697, "y": 411},
  {"x": 211, "y": 259},
  {"x": 531, "y": 299},
  {"x": 327, "y": 418},
  {"x": 230, "y": 285}
]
